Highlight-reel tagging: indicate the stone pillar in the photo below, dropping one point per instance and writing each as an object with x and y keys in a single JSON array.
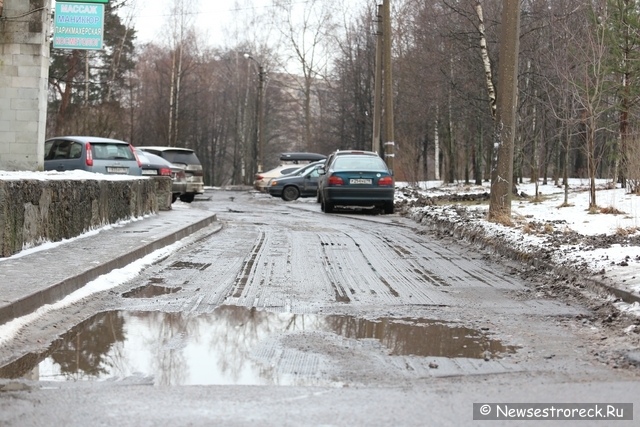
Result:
[{"x": 25, "y": 26}]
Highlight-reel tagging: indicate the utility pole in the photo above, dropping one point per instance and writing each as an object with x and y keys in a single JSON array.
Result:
[
  {"x": 260, "y": 114},
  {"x": 389, "y": 143},
  {"x": 502, "y": 174},
  {"x": 377, "y": 97},
  {"x": 261, "y": 79}
]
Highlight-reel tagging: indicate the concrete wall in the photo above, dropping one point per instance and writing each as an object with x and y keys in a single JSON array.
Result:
[
  {"x": 24, "y": 69},
  {"x": 33, "y": 211}
]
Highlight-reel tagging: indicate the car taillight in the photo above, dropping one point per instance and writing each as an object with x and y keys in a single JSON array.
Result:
[
  {"x": 89, "y": 159},
  {"x": 165, "y": 172},
  {"x": 385, "y": 180},
  {"x": 135, "y": 155},
  {"x": 259, "y": 177},
  {"x": 335, "y": 180}
]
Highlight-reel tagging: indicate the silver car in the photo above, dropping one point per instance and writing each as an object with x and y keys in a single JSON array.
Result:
[
  {"x": 192, "y": 168},
  {"x": 92, "y": 154}
]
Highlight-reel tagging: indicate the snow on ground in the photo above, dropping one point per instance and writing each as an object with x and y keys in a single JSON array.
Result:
[
  {"x": 66, "y": 175},
  {"x": 606, "y": 244}
]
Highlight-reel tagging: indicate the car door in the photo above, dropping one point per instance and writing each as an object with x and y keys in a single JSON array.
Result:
[{"x": 310, "y": 187}]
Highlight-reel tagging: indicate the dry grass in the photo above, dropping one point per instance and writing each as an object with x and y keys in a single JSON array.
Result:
[
  {"x": 612, "y": 211},
  {"x": 529, "y": 228},
  {"x": 626, "y": 231},
  {"x": 548, "y": 228},
  {"x": 500, "y": 218}
]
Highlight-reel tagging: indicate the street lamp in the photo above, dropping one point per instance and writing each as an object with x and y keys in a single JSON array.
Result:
[{"x": 261, "y": 75}]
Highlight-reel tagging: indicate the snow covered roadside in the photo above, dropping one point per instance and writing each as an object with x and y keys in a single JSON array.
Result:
[{"x": 603, "y": 248}]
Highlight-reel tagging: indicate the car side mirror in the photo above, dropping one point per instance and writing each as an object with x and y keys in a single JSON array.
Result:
[{"x": 321, "y": 171}]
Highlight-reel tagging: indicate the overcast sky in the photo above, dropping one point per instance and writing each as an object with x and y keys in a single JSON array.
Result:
[{"x": 214, "y": 18}]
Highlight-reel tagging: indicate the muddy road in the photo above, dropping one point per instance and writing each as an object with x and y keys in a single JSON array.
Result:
[{"x": 288, "y": 316}]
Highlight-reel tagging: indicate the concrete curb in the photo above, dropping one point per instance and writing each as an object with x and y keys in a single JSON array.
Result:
[
  {"x": 477, "y": 238},
  {"x": 59, "y": 290}
]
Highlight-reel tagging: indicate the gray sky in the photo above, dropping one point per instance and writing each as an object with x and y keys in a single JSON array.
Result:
[{"x": 213, "y": 17}]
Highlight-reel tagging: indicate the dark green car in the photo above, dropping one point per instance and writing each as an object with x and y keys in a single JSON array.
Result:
[{"x": 356, "y": 179}]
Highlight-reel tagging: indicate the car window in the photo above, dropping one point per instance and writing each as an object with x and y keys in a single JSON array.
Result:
[
  {"x": 343, "y": 163},
  {"x": 75, "y": 151},
  {"x": 111, "y": 151},
  {"x": 289, "y": 170},
  {"x": 61, "y": 149},
  {"x": 179, "y": 156},
  {"x": 314, "y": 173},
  {"x": 48, "y": 152}
]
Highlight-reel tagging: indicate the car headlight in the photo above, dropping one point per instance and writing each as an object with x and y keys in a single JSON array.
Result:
[{"x": 274, "y": 183}]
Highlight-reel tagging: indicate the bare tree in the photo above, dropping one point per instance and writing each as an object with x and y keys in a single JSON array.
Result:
[
  {"x": 502, "y": 176},
  {"x": 306, "y": 32}
]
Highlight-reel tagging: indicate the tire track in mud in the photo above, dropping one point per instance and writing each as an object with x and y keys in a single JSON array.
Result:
[
  {"x": 395, "y": 265},
  {"x": 329, "y": 263},
  {"x": 247, "y": 266},
  {"x": 483, "y": 275}
]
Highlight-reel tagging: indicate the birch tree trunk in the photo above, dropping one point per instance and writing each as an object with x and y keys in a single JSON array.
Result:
[{"x": 486, "y": 62}]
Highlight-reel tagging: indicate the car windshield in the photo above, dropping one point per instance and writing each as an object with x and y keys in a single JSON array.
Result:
[
  {"x": 310, "y": 170},
  {"x": 110, "y": 151},
  {"x": 179, "y": 156},
  {"x": 366, "y": 163}
]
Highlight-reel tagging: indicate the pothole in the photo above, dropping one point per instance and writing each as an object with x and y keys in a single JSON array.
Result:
[
  {"x": 150, "y": 291},
  {"x": 217, "y": 348}
]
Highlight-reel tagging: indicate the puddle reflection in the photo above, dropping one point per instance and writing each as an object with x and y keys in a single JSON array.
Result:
[
  {"x": 217, "y": 348},
  {"x": 150, "y": 291}
]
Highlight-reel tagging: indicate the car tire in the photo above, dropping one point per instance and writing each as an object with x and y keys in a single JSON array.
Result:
[
  {"x": 290, "y": 193},
  {"x": 187, "y": 198},
  {"x": 326, "y": 207},
  {"x": 388, "y": 208},
  {"x": 174, "y": 197}
]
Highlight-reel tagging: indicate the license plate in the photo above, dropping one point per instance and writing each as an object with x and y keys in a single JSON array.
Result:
[
  {"x": 117, "y": 170},
  {"x": 360, "y": 181},
  {"x": 149, "y": 172}
]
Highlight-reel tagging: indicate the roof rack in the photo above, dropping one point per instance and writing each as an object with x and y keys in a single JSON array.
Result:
[{"x": 296, "y": 157}]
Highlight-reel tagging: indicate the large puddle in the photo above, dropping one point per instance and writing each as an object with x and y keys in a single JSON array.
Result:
[{"x": 218, "y": 348}]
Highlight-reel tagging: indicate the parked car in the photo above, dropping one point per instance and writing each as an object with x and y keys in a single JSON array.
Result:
[
  {"x": 153, "y": 165},
  {"x": 262, "y": 179},
  {"x": 330, "y": 158},
  {"x": 289, "y": 162},
  {"x": 356, "y": 179},
  {"x": 300, "y": 183},
  {"x": 92, "y": 154},
  {"x": 192, "y": 168}
]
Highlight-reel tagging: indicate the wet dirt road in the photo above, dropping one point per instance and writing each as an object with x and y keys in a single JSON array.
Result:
[{"x": 288, "y": 316}]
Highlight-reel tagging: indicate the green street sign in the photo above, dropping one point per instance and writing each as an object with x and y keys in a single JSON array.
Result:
[
  {"x": 78, "y": 26},
  {"x": 87, "y": 1}
]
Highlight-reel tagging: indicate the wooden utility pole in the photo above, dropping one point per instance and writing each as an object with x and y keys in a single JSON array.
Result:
[
  {"x": 261, "y": 76},
  {"x": 377, "y": 97},
  {"x": 389, "y": 143},
  {"x": 502, "y": 174}
]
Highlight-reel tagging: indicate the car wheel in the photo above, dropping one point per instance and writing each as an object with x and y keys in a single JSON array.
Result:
[
  {"x": 187, "y": 198},
  {"x": 174, "y": 197},
  {"x": 388, "y": 208},
  {"x": 326, "y": 207},
  {"x": 290, "y": 193}
]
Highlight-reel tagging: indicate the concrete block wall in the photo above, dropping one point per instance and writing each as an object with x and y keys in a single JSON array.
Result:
[
  {"x": 24, "y": 68},
  {"x": 33, "y": 211}
]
